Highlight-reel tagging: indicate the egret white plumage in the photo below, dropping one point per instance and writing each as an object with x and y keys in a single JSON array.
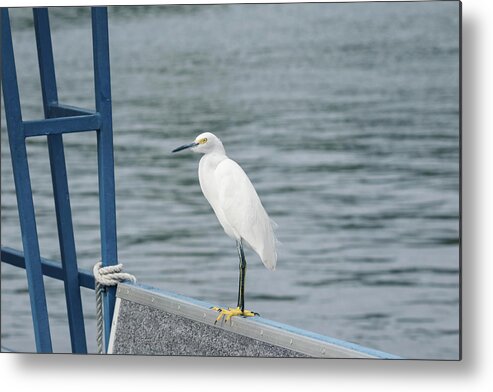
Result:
[{"x": 238, "y": 208}]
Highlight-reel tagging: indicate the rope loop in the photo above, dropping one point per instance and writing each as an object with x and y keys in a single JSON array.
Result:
[
  {"x": 107, "y": 276},
  {"x": 111, "y": 275}
]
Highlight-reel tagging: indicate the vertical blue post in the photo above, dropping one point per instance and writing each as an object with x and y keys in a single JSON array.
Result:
[
  {"x": 23, "y": 191},
  {"x": 107, "y": 207},
  {"x": 60, "y": 185}
]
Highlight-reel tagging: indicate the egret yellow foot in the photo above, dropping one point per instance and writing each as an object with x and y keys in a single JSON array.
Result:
[{"x": 230, "y": 312}]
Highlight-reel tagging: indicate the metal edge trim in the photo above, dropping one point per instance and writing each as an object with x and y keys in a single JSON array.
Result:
[
  {"x": 114, "y": 325},
  {"x": 258, "y": 328}
]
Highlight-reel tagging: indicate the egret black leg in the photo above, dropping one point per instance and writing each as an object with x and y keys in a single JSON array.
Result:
[
  {"x": 240, "y": 310},
  {"x": 241, "y": 288}
]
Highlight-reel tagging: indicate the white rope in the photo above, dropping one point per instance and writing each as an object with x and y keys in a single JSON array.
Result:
[
  {"x": 107, "y": 276},
  {"x": 111, "y": 275},
  {"x": 99, "y": 317}
]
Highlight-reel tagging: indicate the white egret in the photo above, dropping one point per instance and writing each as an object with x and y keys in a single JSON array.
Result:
[{"x": 238, "y": 208}]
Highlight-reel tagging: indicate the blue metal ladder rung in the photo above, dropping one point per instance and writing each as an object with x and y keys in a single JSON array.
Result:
[
  {"x": 68, "y": 124},
  {"x": 50, "y": 268}
]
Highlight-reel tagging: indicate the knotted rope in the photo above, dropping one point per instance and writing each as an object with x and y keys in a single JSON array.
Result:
[{"x": 107, "y": 276}]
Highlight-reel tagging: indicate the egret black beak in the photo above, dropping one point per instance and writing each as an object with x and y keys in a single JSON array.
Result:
[{"x": 185, "y": 146}]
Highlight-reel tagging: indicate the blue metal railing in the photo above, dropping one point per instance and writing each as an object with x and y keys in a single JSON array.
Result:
[{"x": 60, "y": 119}]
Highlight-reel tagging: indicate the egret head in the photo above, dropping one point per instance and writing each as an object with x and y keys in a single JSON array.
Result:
[{"x": 204, "y": 143}]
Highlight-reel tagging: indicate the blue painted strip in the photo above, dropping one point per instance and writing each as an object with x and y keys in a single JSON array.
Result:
[
  {"x": 275, "y": 324},
  {"x": 45, "y": 57},
  {"x": 107, "y": 207},
  {"x": 327, "y": 339},
  {"x": 67, "y": 244},
  {"x": 9, "y": 75},
  {"x": 50, "y": 268},
  {"x": 55, "y": 126},
  {"x": 60, "y": 186},
  {"x": 23, "y": 191}
]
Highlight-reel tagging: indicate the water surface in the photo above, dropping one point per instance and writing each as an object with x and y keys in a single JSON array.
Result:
[{"x": 345, "y": 117}]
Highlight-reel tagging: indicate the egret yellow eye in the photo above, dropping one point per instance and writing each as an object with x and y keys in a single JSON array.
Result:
[{"x": 203, "y": 140}]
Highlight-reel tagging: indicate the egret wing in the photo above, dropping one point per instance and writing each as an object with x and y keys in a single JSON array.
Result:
[{"x": 243, "y": 209}]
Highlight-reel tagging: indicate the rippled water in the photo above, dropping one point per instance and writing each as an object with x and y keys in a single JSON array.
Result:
[{"x": 345, "y": 117}]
